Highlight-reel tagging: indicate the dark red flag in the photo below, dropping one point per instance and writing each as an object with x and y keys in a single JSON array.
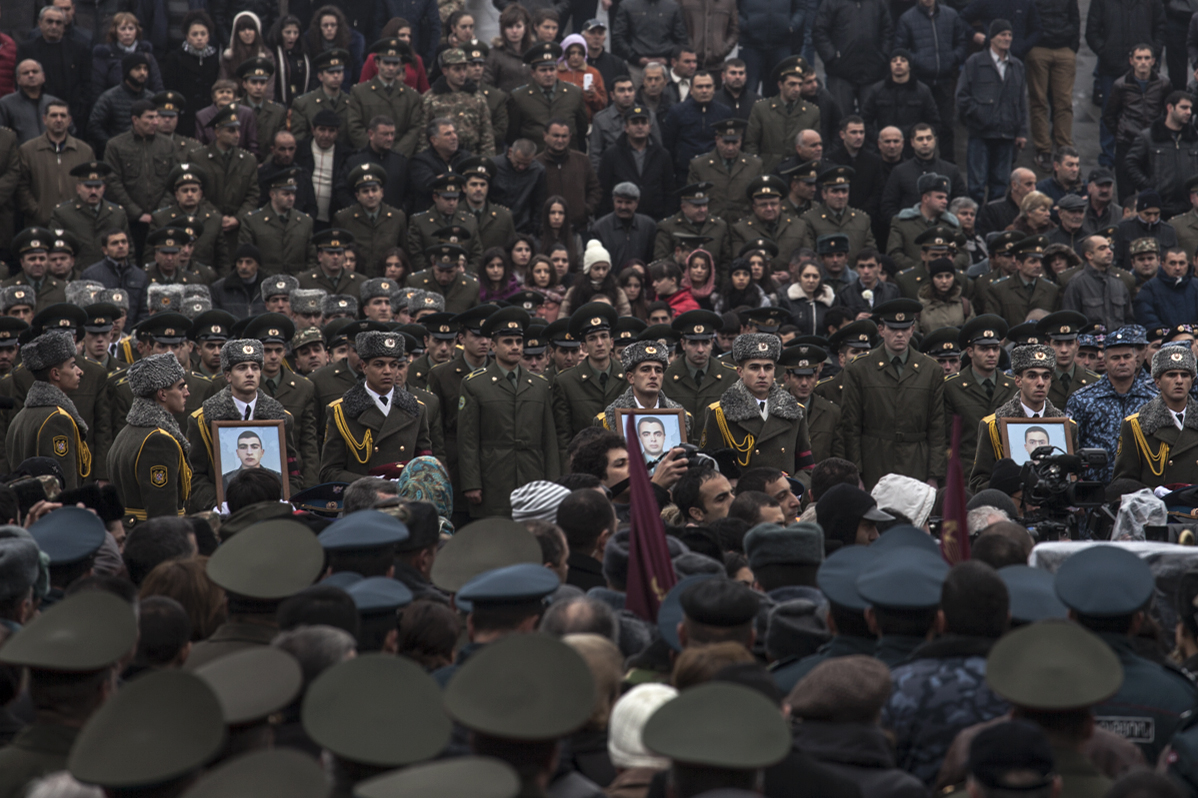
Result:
[
  {"x": 954, "y": 531},
  {"x": 650, "y": 572}
]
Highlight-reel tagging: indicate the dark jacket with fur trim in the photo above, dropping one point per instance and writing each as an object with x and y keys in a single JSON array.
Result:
[
  {"x": 1161, "y": 454},
  {"x": 989, "y": 440},
  {"x": 50, "y": 426},
  {"x": 220, "y": 407},
  {"x": 1164, "y": 160},
  {"x": 780, "y": 441},
  {"x": 360, "y": 441},
  {"x": 148, "y": 464}
]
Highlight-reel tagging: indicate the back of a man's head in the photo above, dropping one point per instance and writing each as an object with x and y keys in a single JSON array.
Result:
[
  {"x": 322, "y": 605},
  {"x": 757, "y": 479},
  {"x": 363, "y": 493},
  {"x": 975, "y": 601},
  {"x": 317, "y": 648},
  {"x": 1013, "y": 532},
  {"x": 163, "y": 631},
  {"x": 156, "y": 541},
  {"x": 580, "y": 615},
  {"x": 997, "y": 551},
  {"x": 751, "y": 506},
  {"x": 832, "y": 471},
  {"x": 250, "y": 486},
  {"x": 584, "y": 516}
]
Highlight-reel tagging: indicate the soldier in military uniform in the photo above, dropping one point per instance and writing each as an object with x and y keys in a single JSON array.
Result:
[
  {"x": 536, "y": 350},
  {"x": 802, "y": 179},
  {"x": 693, "y": 219},
  {"x": 330, "y": 274},
  {"x": 140, "y": 160},
  {"x": 377, "y": 426},
  {"x": 1000, "y": 264},
  {"x": 892, "y": 415},
  {"x": 240, "y": 400},
  {"x": 446, "y": 212},
  {"x": 1156, "y": 442},
  {"x": 375, "y": 225},
  {"x": 169, "y": 104},
  {"x": 440, "y": 334},
  {"x": 1027, "y": 289},
  {"x": 1061, "y": 329},
  {"x": 644, "y": 364},
  {"x": 934, "y": 243},
  {"x": 61, "y": 261},
  {"x": 833, "y": 214},
  {"x": 276, "y": 292},
  {"x": 98, "y": 335},
  {"x": 293, "y": 391},
  {"x": 775, "y": 121},
  {"x": 447, "y": 277},
  {"x": 73, "y": 649},
  {"x": 755, "y": 417},
  {"x": 187, "y": 182},
  {"x": 505, "y": 422},
  {"x": 495, "y": 225},
  {"x": 280, "y": 231},
  {"x": 848, "y": 343},
  {"x": 89, "y": 215},
  {"x": 165, "y": 244},
  {"x": 148, "y": 459},
  {"x": 448, "y": 98},
  {"x": 565, "y": 351},
  {"x": 329, "y": 68},
  {"x": 697, "y": 379},
  {"x": 531, "y": 106},
  {"x": 582, "y": 392},
  {"x": 1032, "y": 366},
  {"x": 941, "y": 345},
  {"x": 10, "y": 334},
  {"x": 800, "y": 366},
  {"x": 728, "y": 170},
  {"x": 911, "y": 224},
  {"x": 48, "y": 424},
  {"x": 255, "y": 74},
  {"x": 497, "y": 99},
  {"x": 232, "y": 174},
  {"x": 386, "y": 95},
  {"x": 977, "y": 391},
  {"x": 208, "y": 333},
  {"x": 342, "y": 373},
  {"x": 768, "y": 221},
  {"x": 32, "y": 247}
]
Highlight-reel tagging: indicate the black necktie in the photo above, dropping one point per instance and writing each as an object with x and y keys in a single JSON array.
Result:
[
  {"x": 511, "y": 377},
  {"x": 761, "y": 403},
  {"x": 699, "y": 377},
  {"x": 383, "y": 399},
  {"x": 1181, "y": 418},
  {"x": 247, "y": 413},
  {"x": 897, "y": 362},
  {"x": 603, "y": 380},
  {"x": 989, "y": 389},
  {"x": 1065, "y": 380}
]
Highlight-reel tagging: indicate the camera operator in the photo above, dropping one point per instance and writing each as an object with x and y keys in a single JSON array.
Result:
[
  {"x": 1032, "y": 367},
  {"x": 1157, "y": 442}
]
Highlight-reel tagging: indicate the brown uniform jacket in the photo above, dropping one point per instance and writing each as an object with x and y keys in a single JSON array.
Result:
[
  {"x": 780, "y": 441},
  {"x": 360, "y": 439},
  {"x": 45, "y": 179},
  {"x": 49, "y": 426},
  {"x": 1153, "y": 450},
  {"x": 148, "y": 464}
]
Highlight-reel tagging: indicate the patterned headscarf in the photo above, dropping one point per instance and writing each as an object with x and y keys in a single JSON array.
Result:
[{"x": 424, "y": 479}]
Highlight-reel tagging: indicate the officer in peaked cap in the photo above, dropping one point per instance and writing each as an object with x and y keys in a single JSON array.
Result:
[
  {"x": 330, "y": 274},
  {"x": 427, "y": 229},
  {"x": 846, "y": 345},
  {"x": 769, "y": 219},
  {"x": 363, "y": 542},
  {"x": 1026, "y": 333},
  {"x": 482, "y": 546},
  {"x": 902, "y": 589},
  {"x": 373, "y": 220},
  {"x": 32, "y": 247},
  {"x": 556, "y": 694},
  {"x": 535, "y": 349},
  {"x": 440, "y": 334},
  {"x": 926, "y": 245},
  {"x": 893, "y": 407},
  {"x": 258, "y": 568},
  {"x": 11, "y": 329},
  {"x": 251, "y": 686},
  {"x": 333, "y": 112},
  {"x": 1061, "y": 329},
  {"x": 941, "y": 345},
  {"x": 279, "y": 229},
  {"x": 505, "y": 423},
  {"x": 210, "y": 330},
  {"x": 378, "y": 599},
  {"x": 981, "y": 387},
  {"x": 694, "y": 217},
  {"x": 833, "y": 216},
  {"x": 697, "y": 379},
  {"x": 565, "y": 349},
  {"x": 444, "y": 276},
  {"x": 728, "y": 185},
  {"x": 75, "y": 646},
  {"x": 1026, "y": 289},
  {"x": 529, "y": 109},
  {"x": 581, "y": 393},
  {"x": 171, "y": 106},
  {"x": 772, "y": 128},
  {"x": 625, "y": 332},
  {"x": 92, "y": 173},
  {"x": 802, "y": 178},
  {"x": 766, "y": 320},
  {"x": 801, "y": 365},
  {"x": 101, "y": 317}
]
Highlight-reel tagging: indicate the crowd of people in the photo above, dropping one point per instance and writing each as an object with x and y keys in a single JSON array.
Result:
[{"x": 390, "y": 413}]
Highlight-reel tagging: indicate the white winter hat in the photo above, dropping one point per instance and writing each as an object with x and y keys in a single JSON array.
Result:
[
  {"x": 907, "y": 495},
  {"x": 628, "y": 719},
  {"x": 595, "y": 254}
]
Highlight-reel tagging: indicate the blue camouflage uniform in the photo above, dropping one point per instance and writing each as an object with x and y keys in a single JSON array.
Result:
[
  {"x": 938, "y": 692},
  {"x": 1099, "y": 412}
]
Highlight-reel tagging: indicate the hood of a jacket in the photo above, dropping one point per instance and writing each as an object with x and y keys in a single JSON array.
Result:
[{"x": 228, "y": 52}]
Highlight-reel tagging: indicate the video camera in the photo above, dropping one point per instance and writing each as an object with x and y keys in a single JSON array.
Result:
[{"x": 1047, "y": 486}]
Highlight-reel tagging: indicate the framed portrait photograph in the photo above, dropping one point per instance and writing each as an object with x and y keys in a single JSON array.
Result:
[
  {"x": 240, "y": 445},
  {"x": 658, "y": 429},
  {"x": 1022, "y": 436}
]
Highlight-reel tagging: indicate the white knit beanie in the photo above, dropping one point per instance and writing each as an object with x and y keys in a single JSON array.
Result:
[
  {"x": 909, "y": 496},
  {"x": 628, "y": 719},
  {"x": 595, "y": 254},
  {"x": 538, "y": 499}
]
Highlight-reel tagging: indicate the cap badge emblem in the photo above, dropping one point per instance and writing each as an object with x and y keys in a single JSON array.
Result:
[
  {"x": 1040, "y": 356},
  {"x": 763, "y": 347},
  {"x": 698, "y": 328},
  {"x": 988, "y": 334},
  {"x": 166, "y": 300},
  {"x": 216, "y": 328},
  {"x": 1064, "y": 328},
  {"x": 389, "y": 343},
  {"x": 1176, "y": 356},
  {"x": 595, "y": 322},
  {"x": 900, "y": 316},
  {"x": 247, "y": 350},
  {"x": 650, "y": 350},
  {"x": 64, "y": 322},
  {"x": 169, "y": 331}
]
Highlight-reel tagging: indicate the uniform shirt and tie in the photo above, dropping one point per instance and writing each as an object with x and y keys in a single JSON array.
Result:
[
  {"x": 1179, "y": 419},
  {"x": 381, "y": 400},
  {"x": 1027, "y": 411},
  {"x": 764, "y": 409},
  {"x": 245, "y": 409},
  {"x": 898, "y": 361}
]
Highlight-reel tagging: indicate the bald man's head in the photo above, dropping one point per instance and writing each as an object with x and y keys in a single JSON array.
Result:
[{"x": 1023, "y": 182}]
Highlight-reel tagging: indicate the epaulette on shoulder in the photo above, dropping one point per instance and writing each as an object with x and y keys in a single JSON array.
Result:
[
  {"x": 824, "y": 380},
  {"x": 951, "y": 377},
  {"x": 542, "y": 377},
  {"x": 476, "y": 372},
  {"x": 713, "y": 405}
]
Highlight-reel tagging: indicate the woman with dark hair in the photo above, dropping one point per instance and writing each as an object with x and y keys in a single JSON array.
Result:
[
  {"x": 759, "y": 267},
  {"x": 596, "y": 279},
  {"x": 124, "y": 38},
  {"x": 632, "y": 283},
  {"x": 495, "y": 278},
  {"x": 394, "y": 265},
  {"x": 556, "y": 228},
  {"x": 1059, "y": 258},
  {"x": 457, "y": 32},
  {"x": 519, "y": 252},
  {"x": 542, "y": 278},
  {"x": 505, "y": 68},
  {"x": 739, "y": 289},
  {"x": 943, "y": 304},
  {"x": 667, "y": 284},
  {"x": 192, "y": 68},
  {"x": 807, "y": 300},
  {"x": 246, "y": 44},
  {"x": 293, "y": 69},
  {"x": 699, "y": 277},
  {"x": 330, "y": 29},
  {"x": 414, "y": 75}
]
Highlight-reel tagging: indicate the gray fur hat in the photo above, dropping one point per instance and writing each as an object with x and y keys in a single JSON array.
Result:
[
  {"x": 641, "y": 351},
  {"x": 151, "y": 373},
  {"x": 278, "y": 284},
  {"x": 1171, "y": 358},
  {"x": 194, "y": 291},
  {"x": 763, "y": 346},
  {"x": 378, "y": 344},
  {"x": 774, "y": 544},
  {"x": 83, "y": 292},
  {"x": 339, "y": 303},
  {"x": 377, "y": 287},
  {"x": 400, "y": 299},
  {"x": 240, "y": 350},
  {"x": 15, "y": 295},
  {"x": 1031, "y": 356},
  {"x": 49, "y": 349},
  {"x": 195, "y": 306},
  {"x": 163, "y": 298},
  {"x": 307, "y": 300},
  {"x": 19, "y": 567},
  {"x": 426, "y": 300},
  {"x": 114, "y": 296}
]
